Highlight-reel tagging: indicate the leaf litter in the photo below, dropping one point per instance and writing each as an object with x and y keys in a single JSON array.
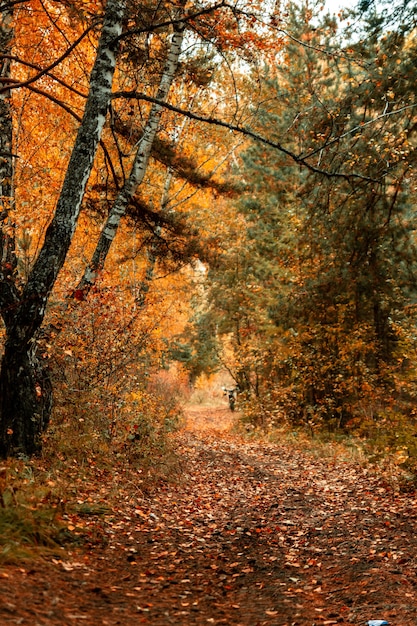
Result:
[{"x": 249, "y": 533}]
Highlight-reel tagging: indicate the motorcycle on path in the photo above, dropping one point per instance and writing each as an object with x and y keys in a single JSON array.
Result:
[{"x": 231, "y": 396}]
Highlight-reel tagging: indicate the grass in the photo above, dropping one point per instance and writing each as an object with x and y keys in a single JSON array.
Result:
[{"x": 30, "y": 523}]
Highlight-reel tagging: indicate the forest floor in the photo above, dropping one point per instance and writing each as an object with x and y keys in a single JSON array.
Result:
[{"x": 248, "y": 533}]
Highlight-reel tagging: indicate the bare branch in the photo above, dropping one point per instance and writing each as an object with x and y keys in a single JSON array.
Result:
[
  {"x": 46, "y": 70},
  {"x": 59, "y": 80},
  {"x": 300, "y": 159}
]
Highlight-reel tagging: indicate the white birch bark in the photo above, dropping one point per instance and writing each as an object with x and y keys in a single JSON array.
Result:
[
  {"x": 61, "y": 229},
  {"x": 8, "y": 292},
  {"x": 139, "y": 166},
  {"x": 151, "y": 253}
]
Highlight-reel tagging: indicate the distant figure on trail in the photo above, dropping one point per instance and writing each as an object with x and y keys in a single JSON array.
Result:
[{"x": 231, "y": 395}]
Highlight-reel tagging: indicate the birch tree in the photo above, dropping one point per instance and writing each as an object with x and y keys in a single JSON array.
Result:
[
  {"x": 139, "y": 165},
  {"x": 25, "y": 388}
]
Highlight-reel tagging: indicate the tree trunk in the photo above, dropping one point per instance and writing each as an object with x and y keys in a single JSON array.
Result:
[
  {"x": 139, "y": 166},
  {"x": 25, "y": 387},
  {"x": 8, "y": 261},
  {"x": 26, "y": 400}
]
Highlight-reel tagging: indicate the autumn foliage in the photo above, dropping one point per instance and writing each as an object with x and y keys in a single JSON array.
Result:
[
  {"x": 314, "y": 291},
  {"x": 231, "y": 212},
  {"x": 97, "y": 108},
  {"x": 199, "y": 194}
]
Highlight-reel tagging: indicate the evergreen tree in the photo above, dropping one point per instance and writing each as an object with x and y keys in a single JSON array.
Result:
[{"x": 329, "y": 256}]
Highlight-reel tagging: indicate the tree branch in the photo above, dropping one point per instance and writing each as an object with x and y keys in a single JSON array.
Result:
[
  {"x": 46, "y": 70},
  {"x": 297, "y": 158},
  {"x": 59, "y": 80},
  {"x": 175, "y": 21},
  {"x": 359, "y": 127}
]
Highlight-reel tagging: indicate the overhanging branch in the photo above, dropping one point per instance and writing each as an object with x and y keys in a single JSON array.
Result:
[{"x": 299, "y": 159}]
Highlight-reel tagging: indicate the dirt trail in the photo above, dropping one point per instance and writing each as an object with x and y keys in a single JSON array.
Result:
[{"x": 251, "y": 534}]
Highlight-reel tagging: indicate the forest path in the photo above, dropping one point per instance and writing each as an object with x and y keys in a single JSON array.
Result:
[{"x": 249, "y": 534}]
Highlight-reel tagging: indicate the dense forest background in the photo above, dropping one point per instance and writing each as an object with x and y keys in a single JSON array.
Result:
[{"x": 190, "y": 188}]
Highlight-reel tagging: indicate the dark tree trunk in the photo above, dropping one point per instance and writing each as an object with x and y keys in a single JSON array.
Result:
[{"x": 26, "y": 400}]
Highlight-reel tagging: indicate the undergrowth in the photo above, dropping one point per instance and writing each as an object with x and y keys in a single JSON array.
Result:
[
  {"x": 94, "y": 456},
  {"x": 111, "y": 430},
  {"x": 30, "y": 520}
]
